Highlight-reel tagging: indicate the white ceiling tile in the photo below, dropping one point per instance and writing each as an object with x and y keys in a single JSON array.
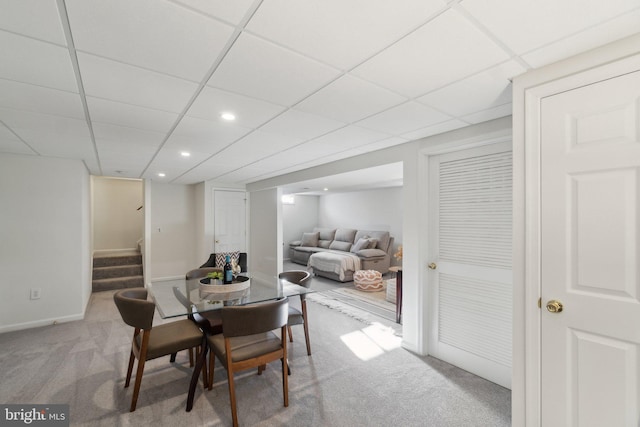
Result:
[
  {"x": 349, "y": 137},
  {"x": 385, "y": 143},
  {"x": 54, "y": 136},
  {"x": 403, "y": 118},
  {"x": 126, "y": 136},
  {"x": 32, "y": 61},
  {"x": 159, "y": 36},
  {"x": 302, "y": 126},
  {"x": 205, "y": 136},
  {"x": 10, "y": 143},
  {"x": 443, "y": 127},
  {"x": 117, "y": 113},
  {"x": 524, "y": 25},
  {"x": 484, "y": 90},
  {"x": 336, "y": 32},
  {"x": 264, "y": 142},
  {"x": 249, "y": 112},
  {"x": 231, "y": 11},
  {"x": 39, "y": 99},
  {"x": 590, "y": 38},
  {"x": 14, "y": 146},
  {"x": 34, "y": 18},
  {"x": 131, "y": 85},
  {"x": 260, "y": 69},
  {"x": 442, "y": 51},
  {"x": 350, "y": 99},
  {"x": 490, "y": 114}
]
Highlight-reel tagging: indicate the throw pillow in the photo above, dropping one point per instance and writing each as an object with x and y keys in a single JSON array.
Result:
[
  {"x": 372, "y": 243},
  {"x": 310, "y": 239},
  {"x": 360, "y": 244},
  {"x": 340, "y": 246},
  {"x": 221, "y": 258}
]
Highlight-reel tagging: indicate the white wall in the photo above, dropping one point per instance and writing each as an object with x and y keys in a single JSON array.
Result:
[
  {"x": 298, "y": 218},
  {"x": 172, "y": 224},
  {"x": 379, "y": 209},
  {"x": 45, "y": 235},
  {"x": 265, "y": 231},
  {"x": 117, "y": 222}
]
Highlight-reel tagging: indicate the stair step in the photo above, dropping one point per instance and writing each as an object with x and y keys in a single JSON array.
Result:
[
  {"x": 117, "y": 283},
  {"x": 110, "y": 261},
  {"x": 117, "y": 271}
]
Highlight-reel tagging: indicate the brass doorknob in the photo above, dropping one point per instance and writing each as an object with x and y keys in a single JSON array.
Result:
[
  {"x": 433, "y": 266},
  {"x": 217, "y": 241},
  {"x": 554, "y": 306}
]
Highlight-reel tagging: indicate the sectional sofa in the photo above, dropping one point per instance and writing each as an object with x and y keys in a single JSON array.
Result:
[{"x": 337, "y": 253}]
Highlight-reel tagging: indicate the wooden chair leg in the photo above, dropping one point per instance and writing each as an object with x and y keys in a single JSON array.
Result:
[
  {"x": 191, "y": 357},
  {"x": 136, "y": 387},
  {"x": 132, "y": 358},
  {"x": 290, "y": 334},
  {"x": 173, "y": 357},
  {"x": 285, "y": 370},
  {"x": 232, "y": 396},
  {"x": 306, "y": 327}
]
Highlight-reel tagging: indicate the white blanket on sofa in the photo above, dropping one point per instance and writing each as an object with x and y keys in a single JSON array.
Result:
[{"x": 334, "y": 262}]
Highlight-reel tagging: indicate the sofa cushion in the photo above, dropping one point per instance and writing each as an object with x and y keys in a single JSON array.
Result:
[
  {"x": 310, "y": 239},
  {"x": 345, "y": 235},
  {"x": 372, "y": 243},
  {"x": 360, "y": 244},
  {"x": 382, "y": 236},
  {"x": 340, "y": 246},
  {"x": 324, "y": 243},
  {"x": 326, "y": 233},
  {"x": 371, "y": 253}
]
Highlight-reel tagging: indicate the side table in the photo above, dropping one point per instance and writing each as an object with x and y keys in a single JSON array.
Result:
[{"x": 398, "y": 271}]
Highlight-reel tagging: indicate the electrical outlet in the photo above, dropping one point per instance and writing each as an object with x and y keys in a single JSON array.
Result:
[{"x": 35, "y": 293}]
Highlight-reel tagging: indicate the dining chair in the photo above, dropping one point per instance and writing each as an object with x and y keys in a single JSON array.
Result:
[
  {"x": 298, "y": 317},
  {"x": 151, "y": 342},
  {"x": 248, "y": 341},
  {"x": 214, "y": 317}
]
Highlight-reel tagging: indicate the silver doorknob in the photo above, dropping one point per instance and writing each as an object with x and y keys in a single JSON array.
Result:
[
  {"x": 554, "y": 306},
  {"x": 433, "y": 266}
]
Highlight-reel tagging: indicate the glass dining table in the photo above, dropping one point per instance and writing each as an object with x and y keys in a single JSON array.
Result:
[{"x": 182, "y": 297}]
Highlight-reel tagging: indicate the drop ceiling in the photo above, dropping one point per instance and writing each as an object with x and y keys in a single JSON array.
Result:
[{"x": 126, "y": 86}]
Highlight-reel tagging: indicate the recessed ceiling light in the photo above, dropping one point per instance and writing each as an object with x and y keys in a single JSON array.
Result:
[
  {"x": 228, "y": 116},
  {"x": 161, "y": 174},
  {"x": 326, "y": 189},
  {"x": 185, "y": 154}
]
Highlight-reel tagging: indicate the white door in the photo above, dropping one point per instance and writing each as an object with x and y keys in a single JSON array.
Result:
[
  {"x": 229, "y": 218},
  {"x": 590, "y": 229},
  {"x": 470, "y": 278}
]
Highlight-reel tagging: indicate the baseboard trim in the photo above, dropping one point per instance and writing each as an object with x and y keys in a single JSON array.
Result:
[{"x": 40, "y": 323}]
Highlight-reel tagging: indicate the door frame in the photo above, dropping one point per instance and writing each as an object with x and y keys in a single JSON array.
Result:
[
  {"x": 425, "y": 245},
  {"x": 528, "y": 91}
]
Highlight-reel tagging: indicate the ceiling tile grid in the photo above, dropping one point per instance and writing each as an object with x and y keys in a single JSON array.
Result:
[{"x": 128, "y": 85}]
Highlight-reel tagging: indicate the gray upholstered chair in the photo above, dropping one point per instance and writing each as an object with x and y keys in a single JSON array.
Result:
[
  {"x": 298, "y": 317},
  {"x": 248, "y": 341},
  {"x": 151, "y": 342}
]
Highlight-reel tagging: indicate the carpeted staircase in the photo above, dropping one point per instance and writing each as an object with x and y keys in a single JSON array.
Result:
[{"x": 117, "y": 272}]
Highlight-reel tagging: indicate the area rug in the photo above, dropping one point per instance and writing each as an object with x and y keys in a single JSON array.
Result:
[{"x": 368, "y": 307}]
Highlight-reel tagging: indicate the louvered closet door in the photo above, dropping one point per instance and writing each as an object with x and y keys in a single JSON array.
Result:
[{"x": 470, "y": 244}]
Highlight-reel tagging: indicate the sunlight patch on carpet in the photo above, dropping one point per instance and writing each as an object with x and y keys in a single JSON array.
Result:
[{"x": 371, "y": 342}]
